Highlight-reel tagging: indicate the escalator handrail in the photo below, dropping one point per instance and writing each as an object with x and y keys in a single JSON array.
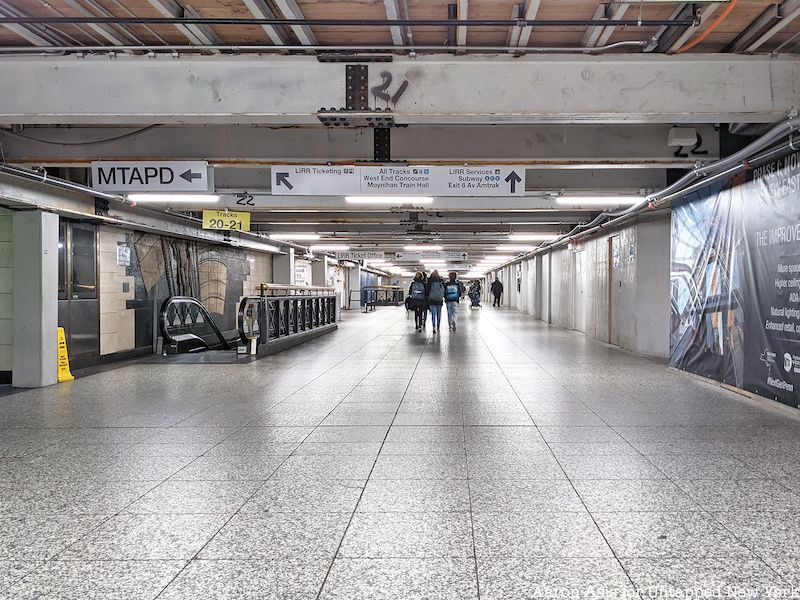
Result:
[
  {"x": 240, "y": 316},
  {"x": 206, "y": 315}
]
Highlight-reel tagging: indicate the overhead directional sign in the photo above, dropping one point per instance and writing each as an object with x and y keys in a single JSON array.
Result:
[
  {"x": 151, "y": 176},
  {"x": 361, "y": 255},
  {"x": 311, "y": 180},
  {"x": 226, "y": 220}
]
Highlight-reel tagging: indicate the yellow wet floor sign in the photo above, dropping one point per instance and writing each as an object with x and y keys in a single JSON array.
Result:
[{"x": 64, "y": 373}]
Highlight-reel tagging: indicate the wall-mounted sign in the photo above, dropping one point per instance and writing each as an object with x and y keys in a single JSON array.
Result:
[
  {"x": 123, "y": 255},
  {"x": 226, "y": 220},
  {"x": 361, "y": 255},
  {"x": 311, "y": 180},
  {"x": 151, "y": 176}
]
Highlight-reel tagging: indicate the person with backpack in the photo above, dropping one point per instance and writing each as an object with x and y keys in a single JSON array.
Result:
[
  {"x": 435, "y": 299},
  {"x": 418, "y": 300},
  {"x": 453, "y": 292}
]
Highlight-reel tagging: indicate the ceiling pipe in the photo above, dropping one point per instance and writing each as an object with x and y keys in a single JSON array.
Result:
[
  {"x": 43, "y": 177},
  {"x": 282, "y": 48},
  {"x": 696, "y": 179},
  {"x": 344, "y": 22}
]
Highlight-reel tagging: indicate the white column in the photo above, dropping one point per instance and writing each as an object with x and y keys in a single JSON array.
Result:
[
  {"x": 35, "y": 299},
  {"x": 319, "y": 271},
  {"x": 354, "y": 283},
  {"x": 283, "y": 267}
]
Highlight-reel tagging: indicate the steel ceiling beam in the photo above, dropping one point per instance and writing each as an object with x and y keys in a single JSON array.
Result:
[
  {"x": 175, "y": 14},
  {"x": 706, "y": 13},
  {"x": 260, "y": 10},
  {"x": 393, "y": 13},
  {"x": 105, "y": 31},
  {"x": 291, "y": 90},
  {"x": 772, "y": 21},
  {"x": 463, "y": 15},
  {"x": 292, "y": 12},
  {"x": 531, "y": 10}
]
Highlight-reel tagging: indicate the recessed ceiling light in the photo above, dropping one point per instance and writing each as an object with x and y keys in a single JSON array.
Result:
[
  {"x": 329, "y": 248},
  {"x": 173, "y": 198},
  {"x": 516, "y": 248},
  {"x": 423, "y": 247},
  {"x": 599, "y": 200},
  {"x": 388, "y": 199},
  {"x": 532, "y": 237},
  {"x": 294, "y": 236}
]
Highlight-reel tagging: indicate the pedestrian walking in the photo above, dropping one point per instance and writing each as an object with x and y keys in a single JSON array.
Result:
[
  {"x": 418, "y": 300},
  {"x": 454, "y": 290},
  {"x": 497, "y": 291},
  {"x": 436, "y": 292}
]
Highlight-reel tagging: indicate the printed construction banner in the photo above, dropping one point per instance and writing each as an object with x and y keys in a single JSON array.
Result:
[{"x": 735, "y": 282}]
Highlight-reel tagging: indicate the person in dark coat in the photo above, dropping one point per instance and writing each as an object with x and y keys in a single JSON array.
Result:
[
  {"x": 418, "y": 300},
  {"x": 497, "y": 291}
]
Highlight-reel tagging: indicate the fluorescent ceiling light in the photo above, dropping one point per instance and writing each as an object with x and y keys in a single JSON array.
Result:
[
  {"x": 388, "y": 199},
  {"x": 254, "y": 245},
  {"x": 174, "y": 198},
  {"x": 497, "y": 258},
  {"x": 423, "y": 247},
  {"x": 516, "y": 248},
  {"x": 329, "y": 247},
  {"x": 532, "y": 237},
  {"x": 599, "y": 200},
  {"x": 294, "y": 236},
  {"x": 407, "y": 274}
]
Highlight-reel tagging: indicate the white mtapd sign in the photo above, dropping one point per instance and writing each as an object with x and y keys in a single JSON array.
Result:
[
  {"x": 398, "y": 181},
  {"x": 151, "y": 176},
  {"x": 361, "y": 255}
]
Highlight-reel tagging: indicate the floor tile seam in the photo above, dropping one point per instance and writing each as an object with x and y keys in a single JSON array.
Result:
[
  {"x": 750, "y": 548},
  {"x": 91, "y": 530},
  {"x": 339, "y": 342},
  {"x": 575, "y": 490},
  {"x": 299, "y": 362},
  {"x": 332, "y": 367},
  {"x": 224, "y": 524},
  {"x": 372, "y": 468}
]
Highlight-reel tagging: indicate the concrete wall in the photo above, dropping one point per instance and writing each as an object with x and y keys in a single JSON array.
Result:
[
  {"x": 570, "y": 288},
  {"x": 6, "y": 289}
]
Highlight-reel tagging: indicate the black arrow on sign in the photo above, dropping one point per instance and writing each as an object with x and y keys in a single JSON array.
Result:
[
  {"x": 190, "y": 175},
  {"x": 283, "y": 178},
  {"x": 513, "y": 179}
]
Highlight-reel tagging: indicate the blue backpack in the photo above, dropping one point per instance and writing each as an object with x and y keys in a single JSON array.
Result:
[
  {"x": 451, "y": 291},
  {"x": 418, "y": 291}
]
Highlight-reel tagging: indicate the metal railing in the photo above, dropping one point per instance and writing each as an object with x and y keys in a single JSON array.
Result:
[
  {"x": 377, "y": 295},
  {"x": 279, "y": 289},
  {"x": 293, "y": 315}
]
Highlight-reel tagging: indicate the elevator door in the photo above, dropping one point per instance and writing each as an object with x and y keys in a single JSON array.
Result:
[{"x": 78, "y": 291}]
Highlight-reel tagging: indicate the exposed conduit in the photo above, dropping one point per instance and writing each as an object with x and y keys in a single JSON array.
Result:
[
  {"x": 696, "y": 179},
  {"x": 346, "y": 22},
  {"x": 28, "y": 50},
  {"x": 712, "y": 26}
]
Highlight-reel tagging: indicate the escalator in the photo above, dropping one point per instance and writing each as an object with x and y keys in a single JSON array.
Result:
[{"x": 187, "y": 327}]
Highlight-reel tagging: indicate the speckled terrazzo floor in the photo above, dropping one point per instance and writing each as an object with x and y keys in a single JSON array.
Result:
[{"x": 508, "y": 460}]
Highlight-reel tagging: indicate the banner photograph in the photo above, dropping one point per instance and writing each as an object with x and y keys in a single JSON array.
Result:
[{"x": 735, "y": 282}]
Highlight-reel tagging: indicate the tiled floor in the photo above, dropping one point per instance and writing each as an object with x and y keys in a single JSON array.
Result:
[{"x": 507, "y": 460}]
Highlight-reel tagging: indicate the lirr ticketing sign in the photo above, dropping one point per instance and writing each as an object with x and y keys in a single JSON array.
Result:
[
  {"x": 413, "y": 180},
  {"x": 151, "y": 176}
]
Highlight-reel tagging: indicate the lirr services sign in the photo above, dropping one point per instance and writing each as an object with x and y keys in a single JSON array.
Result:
[
  {"x": 411, "y": 180},
  {"x": 151, "y": 176}
]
